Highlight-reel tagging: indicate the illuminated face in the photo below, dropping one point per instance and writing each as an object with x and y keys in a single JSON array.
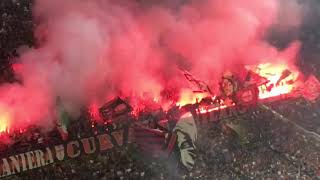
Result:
[{"x": 227, "y": 87}]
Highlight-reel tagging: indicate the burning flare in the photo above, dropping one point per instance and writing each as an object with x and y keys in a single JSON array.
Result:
[
  {"x": 5, "y": 118},
  {"x": 187, "y": 96},
  {"x": 272, "y": 80},
  {"x": 281, "y": 79}
]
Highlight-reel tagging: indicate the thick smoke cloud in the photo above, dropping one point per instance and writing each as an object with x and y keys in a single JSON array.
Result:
[{"x": 91, "y": 50}]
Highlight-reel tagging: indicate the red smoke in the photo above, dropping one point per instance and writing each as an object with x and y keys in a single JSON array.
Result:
[{"x": 91, "y": 50}]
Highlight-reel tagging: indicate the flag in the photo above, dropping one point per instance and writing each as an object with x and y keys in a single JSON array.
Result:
[
  {"x": 63, "y": 120},
  {"x": 186, "y": 132},
  {"x": 151, "y": 141},
  {"x": 201, "y": 85}
]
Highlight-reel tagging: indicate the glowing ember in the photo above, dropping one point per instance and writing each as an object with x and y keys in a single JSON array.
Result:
[
  {"x": 281, "y": 79},
  {"x": 205, "y": 110}
]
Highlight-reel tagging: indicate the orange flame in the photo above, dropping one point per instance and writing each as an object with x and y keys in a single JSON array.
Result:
[
  {"x": 281, "y": 79},
  {"x": 187, "y": 96},
  {"x": 4, "y": 120}
]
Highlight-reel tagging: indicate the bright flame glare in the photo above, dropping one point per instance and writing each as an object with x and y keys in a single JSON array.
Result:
[
  {"x": 4, "y": 120},
  {"x": 187, "y": 96},
  {"x": 281, "y": 79}
]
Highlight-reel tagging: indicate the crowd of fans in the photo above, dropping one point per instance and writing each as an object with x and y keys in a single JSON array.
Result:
[
  {"x": 277, "y": 150},
  {"x": 16, "y": 30}
]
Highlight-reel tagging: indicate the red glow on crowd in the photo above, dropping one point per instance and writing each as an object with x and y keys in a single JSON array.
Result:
[{"x": 279, "y": 79}]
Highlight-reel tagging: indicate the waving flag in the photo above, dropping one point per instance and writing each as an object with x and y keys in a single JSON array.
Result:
[
  {"x": 201, "y": 85},
  {"x": 63, "y": 119}
]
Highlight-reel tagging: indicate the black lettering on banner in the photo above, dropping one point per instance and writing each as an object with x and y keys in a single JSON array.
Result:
[
  {"x": 15, "y": 164},
  {"x": 38, "y": 158},
  {"x": 73, "y": 149}
]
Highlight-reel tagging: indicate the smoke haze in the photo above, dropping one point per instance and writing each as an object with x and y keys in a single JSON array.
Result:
[{"x": 92, "y": 50}]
